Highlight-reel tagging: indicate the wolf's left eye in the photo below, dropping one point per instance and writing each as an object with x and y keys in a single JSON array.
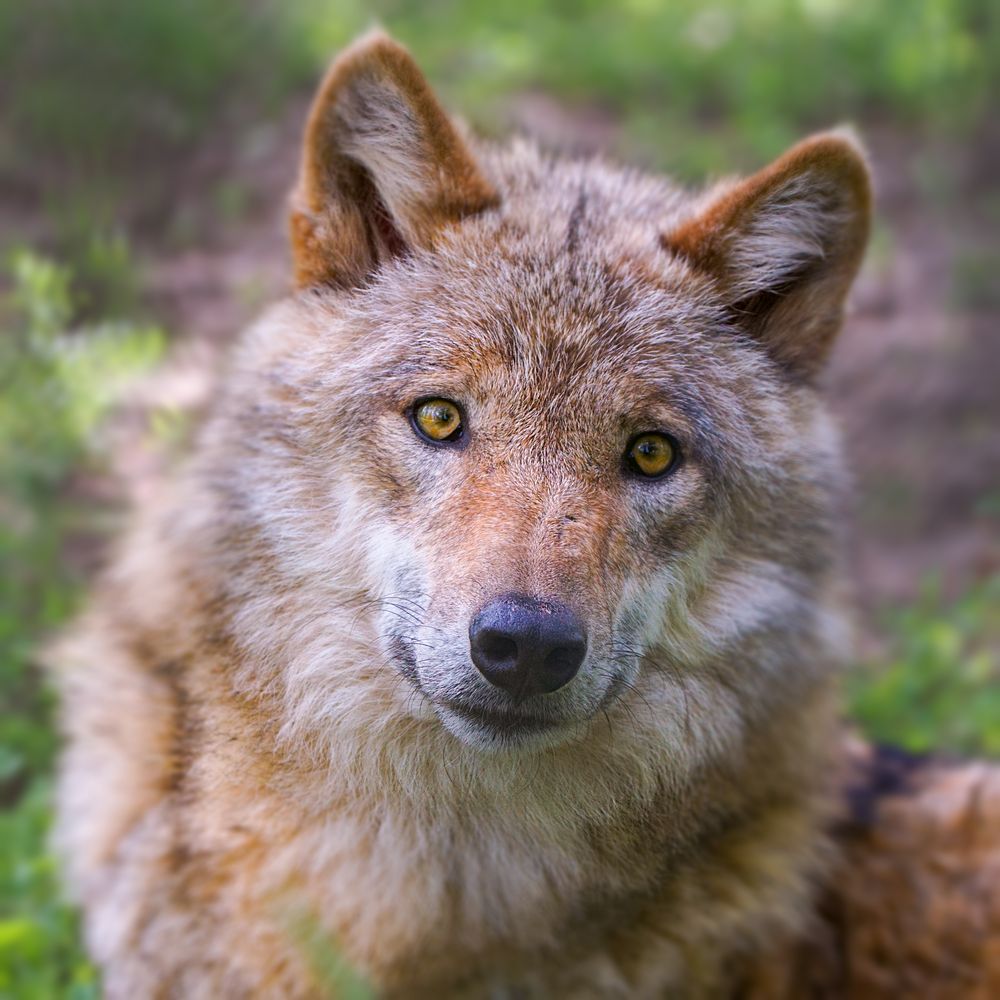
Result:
[
  {"x": 652, "y": 455},
  {"x": 437, "y": 420}
]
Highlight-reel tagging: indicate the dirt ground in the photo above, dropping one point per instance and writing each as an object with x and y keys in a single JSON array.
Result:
[{"x": 914, "y": 379}]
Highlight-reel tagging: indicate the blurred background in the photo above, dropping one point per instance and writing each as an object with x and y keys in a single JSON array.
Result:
[{"x": 146, "y": 147}]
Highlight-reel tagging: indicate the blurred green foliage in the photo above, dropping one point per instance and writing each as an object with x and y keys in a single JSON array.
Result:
[
  {"x": 99, "y": 79},
  {"x": 939, "y": 687},
  {"x": 102, "y": 84},
  {"x": 703, "y": 86},
  {"x": 57, "y": 385},
  {"x": 102, "y": 98},
  {"x": 40, "y": 953}
]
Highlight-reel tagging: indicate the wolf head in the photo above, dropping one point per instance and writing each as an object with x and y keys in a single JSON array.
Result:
[{"x": 547, "y": 430}]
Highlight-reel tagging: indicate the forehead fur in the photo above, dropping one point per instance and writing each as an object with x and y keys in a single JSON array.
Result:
[
  {"x": 562, "y": 298},
  {"x": 573, "y": 233}
]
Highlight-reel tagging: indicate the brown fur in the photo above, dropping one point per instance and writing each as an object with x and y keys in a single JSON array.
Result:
[
  {"x": 911, "y": 907},
  {"x": 268, "y": 703}
]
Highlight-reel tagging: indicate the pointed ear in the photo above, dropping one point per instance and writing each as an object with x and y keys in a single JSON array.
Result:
[
  {"x": 383, "y": 168},
  {"x": 784, "y": 246}
]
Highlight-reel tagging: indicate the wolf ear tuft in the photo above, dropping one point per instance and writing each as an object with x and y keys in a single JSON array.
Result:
[
  {"x": 784, "y": 246},
  {"x": 383, "y": 168}
]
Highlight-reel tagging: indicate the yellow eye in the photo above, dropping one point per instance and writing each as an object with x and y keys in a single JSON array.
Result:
[
  {"x": 652, "y": 455},
  {"x": 438, "y": 420}
]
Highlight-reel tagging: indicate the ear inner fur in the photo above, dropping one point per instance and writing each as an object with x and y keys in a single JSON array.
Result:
[
  {"x": 383, "y": 168},
  {"x": 784, "y": 246}
]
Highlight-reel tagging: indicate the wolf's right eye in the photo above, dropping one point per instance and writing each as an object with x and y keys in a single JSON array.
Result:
[{"x": 437, "y": 420}]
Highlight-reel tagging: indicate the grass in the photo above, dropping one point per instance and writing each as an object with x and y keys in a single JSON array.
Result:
[{"x": 102, "y": 100}]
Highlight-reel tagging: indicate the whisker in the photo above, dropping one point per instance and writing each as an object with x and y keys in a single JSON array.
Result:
[{"x": 665, "y": 665}]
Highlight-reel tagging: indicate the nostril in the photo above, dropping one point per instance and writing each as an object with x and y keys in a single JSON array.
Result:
[
  {"x": 496, "y": 647},
  {"x": 561, "y": 665},
  {"x": 566, "y": 658}
]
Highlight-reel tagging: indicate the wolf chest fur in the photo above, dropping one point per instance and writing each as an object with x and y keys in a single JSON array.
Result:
[{"x": 489, "y": 638}]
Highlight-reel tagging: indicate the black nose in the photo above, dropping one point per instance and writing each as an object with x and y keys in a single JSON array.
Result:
[{"x": 527, "y": 646}]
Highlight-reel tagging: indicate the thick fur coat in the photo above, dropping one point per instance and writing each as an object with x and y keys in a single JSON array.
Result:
[{"x": 278, "y": 746}]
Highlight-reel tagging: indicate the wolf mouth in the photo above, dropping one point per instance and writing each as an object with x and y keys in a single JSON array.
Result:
[{"x": 498, "y": 724}]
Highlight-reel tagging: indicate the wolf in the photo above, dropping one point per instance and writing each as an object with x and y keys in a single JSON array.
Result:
[{"x": 487, "y": 645}]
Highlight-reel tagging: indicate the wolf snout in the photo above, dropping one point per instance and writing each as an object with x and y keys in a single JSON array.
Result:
[{"x": 526, "y": 646}]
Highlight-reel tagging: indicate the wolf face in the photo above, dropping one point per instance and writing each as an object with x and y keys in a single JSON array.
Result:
[
  {"x": 536, "y": 496},
  {"x": 565, "y": 414}
]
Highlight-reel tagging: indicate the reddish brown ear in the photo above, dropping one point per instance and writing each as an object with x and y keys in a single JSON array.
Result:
[
  {"x": 383, "y": 168},
  {"x": 784, "y": 246}
]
